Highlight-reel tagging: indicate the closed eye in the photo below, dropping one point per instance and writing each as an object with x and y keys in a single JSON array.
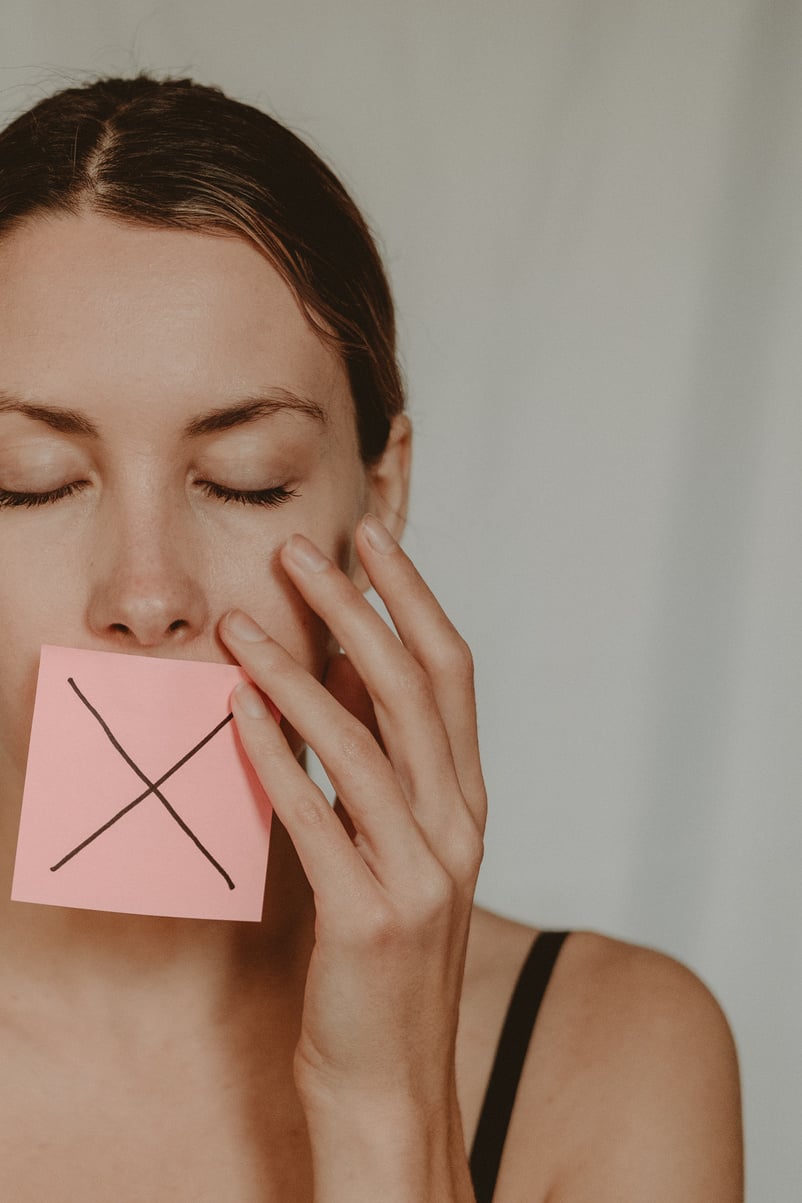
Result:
[
  {"x": 273, "y": 496},
  {"x": 9, "y": 499}
]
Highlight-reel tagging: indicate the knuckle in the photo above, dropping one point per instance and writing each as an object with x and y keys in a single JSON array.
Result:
[
  {"x": 453, "y": 657},
  {"x": 479, "y": 808},
  {"x": 378, "y": 925},
  {"x": 469, "y": 854},
  {"x": 463, "y": 852},
  {"x": 434, "y": 896},
  {"x": 309, "y": 809},
  {"x": 275, "y": 660},
  {"x": 411, "y": 682},
  {"x": 468, "y": 843},
  {"x": 355, "y": 744}
]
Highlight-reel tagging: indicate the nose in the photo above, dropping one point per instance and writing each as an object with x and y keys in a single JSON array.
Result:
[{"x": 147, "y": 593}]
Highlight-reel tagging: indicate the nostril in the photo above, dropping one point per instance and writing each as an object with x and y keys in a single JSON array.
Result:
[{"x": 120, "y": 628}]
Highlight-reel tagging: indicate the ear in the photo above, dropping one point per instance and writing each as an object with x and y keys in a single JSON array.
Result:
[{"x": 387, "y": 491}]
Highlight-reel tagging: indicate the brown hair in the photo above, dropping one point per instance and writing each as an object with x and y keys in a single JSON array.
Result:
[{"x": 176, "y": 153}]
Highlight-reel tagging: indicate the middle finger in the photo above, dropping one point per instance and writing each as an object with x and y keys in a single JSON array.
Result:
[{"x": 406, "y": 711}]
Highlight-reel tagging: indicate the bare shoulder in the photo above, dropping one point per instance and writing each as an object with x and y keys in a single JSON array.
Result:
[{"x": 630, "y": 1089}]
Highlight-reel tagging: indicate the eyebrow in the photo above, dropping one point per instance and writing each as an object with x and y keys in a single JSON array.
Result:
[
  {"x": 248, "y": 409},
  {"x": 66, "y": 421}
]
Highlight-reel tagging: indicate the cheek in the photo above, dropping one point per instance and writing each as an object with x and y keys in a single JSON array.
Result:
[
  {"x": 18, "y": 668},
  {"x": 43, "y": 588},
  {"x": 32, "y": 612},
  {"x": 260, "y": 586},
  {"x": 286, "y": 617}
]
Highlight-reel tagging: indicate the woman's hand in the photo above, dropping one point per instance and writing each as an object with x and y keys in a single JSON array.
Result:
[{"x": 395, "y": 728}]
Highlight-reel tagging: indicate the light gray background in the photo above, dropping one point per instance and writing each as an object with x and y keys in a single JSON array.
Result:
[{"x": 591, "y": 215}]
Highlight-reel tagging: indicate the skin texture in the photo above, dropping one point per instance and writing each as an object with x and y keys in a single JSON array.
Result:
[{"x": 339, "y": 1049}]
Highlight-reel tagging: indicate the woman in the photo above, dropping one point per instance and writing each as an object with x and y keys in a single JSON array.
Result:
[{"x": 204, "y": 455}]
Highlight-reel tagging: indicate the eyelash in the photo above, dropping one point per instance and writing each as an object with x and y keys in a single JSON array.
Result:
[
  {"x": 264, "y": 497},
  {"x": 7, "y": 500},
  {"x": 275, "y": 496}
]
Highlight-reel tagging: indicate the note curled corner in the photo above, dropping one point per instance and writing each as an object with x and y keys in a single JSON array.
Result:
[{"x": 138, "y": 795}]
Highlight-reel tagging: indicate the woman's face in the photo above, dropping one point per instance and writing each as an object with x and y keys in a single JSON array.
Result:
[{"x": 167, "y": 419}]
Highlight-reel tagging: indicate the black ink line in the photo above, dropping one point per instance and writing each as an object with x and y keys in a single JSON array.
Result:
[
  {"x": 130, "y": 806},
  {"x": 153, "y": 788}
]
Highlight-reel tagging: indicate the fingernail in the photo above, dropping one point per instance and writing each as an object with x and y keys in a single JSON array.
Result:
[
  {"x": 305, "y": 554},
  {"x": 378, "y": 535},
  {"x": 243, "y": 627},
  {"x": 250, "y": 700}
]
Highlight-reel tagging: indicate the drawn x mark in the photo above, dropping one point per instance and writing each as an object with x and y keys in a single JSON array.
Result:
[{"x": 153, "y": 788}]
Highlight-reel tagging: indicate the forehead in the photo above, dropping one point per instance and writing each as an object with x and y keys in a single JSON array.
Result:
[{"x": 92, "y": 308}]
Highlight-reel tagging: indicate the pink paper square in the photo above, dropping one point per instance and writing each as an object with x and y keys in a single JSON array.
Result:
[{"x": 198, "y": 851}]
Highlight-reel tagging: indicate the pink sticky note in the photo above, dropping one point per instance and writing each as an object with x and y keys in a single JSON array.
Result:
[{"x": 138, "y": 795}]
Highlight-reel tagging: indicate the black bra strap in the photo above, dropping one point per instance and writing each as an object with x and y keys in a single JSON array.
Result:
[{"x": 516, "y": 1033}]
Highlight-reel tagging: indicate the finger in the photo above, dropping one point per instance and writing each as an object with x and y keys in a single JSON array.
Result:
[
  {"x": 344, "y": 683},
  {"x": 434, "y": 641},
  {"x": 387, "y": 834},
  {"x": 425, "y": 709},
  {"x": 332, "y": 865},
  {"x": 406, "y": 710},
  {"x": 452, "y": 848}
]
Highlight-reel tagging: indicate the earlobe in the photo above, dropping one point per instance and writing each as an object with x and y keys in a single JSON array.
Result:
[{"x": 388, "y": 484}]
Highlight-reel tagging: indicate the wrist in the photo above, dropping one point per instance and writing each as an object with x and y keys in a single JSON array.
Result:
[{"x": 388, "y": 1148}]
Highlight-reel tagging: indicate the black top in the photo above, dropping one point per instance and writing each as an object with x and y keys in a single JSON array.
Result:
[{"x": 516, "y": 1034}]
